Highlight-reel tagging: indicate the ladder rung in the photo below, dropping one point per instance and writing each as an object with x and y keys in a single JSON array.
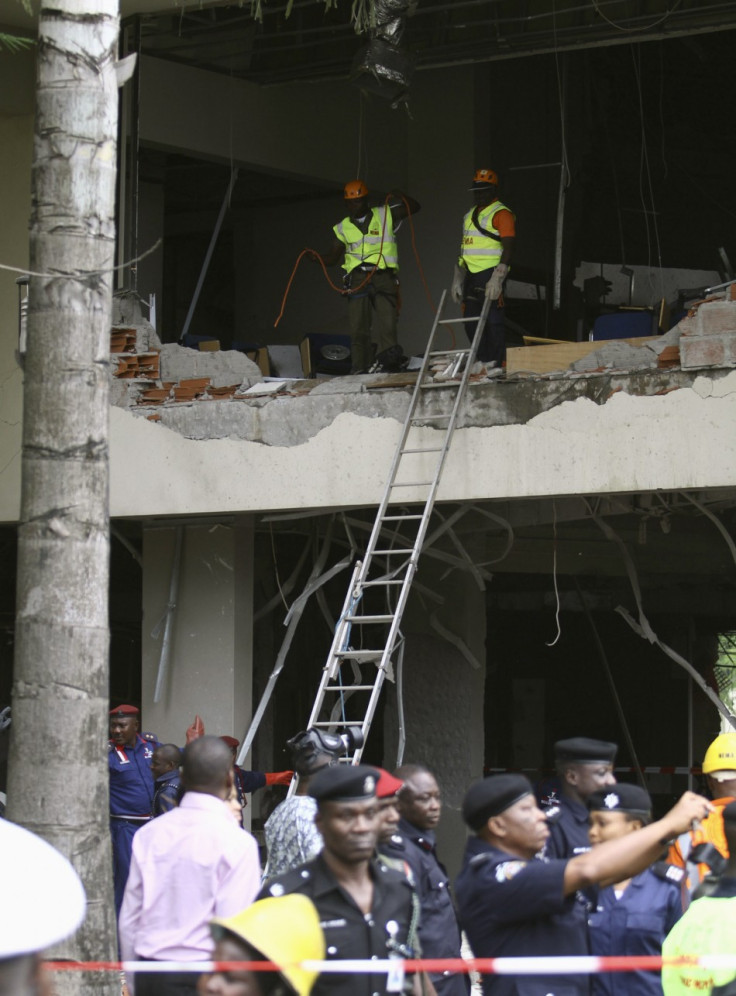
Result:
[
  {"x": 452, "y": 321},
  {"x": 415, "y": 419},
  {"x": 399, "y": 518},
  {"x": 450, "y": 382},
  {"x": 372, "y": 584},
  {"x": 411, "y": 484},
  {"x": 351, "y": 688},
  {"x": 370, "y": 619},
  {"x": 392, "y": 553},
  {"x": 449, "y": 352},
  {"x": 353, "y": 655},
  {"x": 339, "y": 722},
  {"x": 426, "y": 449}
]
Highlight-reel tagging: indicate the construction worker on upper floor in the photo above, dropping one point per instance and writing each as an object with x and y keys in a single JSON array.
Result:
[
  {"x": 489, "y": 232},
  {"x": 709, "y": 837},
  {"x": 365, "y": 241}
]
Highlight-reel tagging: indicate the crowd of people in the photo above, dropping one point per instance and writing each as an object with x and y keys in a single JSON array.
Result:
[{"x": 353, "y": 873}]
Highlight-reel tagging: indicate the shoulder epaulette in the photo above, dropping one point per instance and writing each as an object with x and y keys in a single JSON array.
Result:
[
  {"x": 668, "y": 872},
  {"x": 149, "y": 736},
  {"x": 479, "y": 859}
]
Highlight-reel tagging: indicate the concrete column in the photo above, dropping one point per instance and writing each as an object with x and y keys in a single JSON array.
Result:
[
  {"x": 210, "y": 664},
  {"x": 443, "y": 699}
]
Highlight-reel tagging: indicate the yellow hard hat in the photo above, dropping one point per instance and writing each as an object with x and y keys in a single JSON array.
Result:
[
  {"x": 721, "y": 755},
  {"x": 285, "y": 930}
]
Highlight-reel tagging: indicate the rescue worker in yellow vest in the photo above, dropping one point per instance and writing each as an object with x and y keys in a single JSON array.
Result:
[
  {"x": 489, "y": 232},
  {"x": 365, "y": 241}
]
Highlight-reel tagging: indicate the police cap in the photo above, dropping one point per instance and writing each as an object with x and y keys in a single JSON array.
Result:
[
  {"x": 492, "y": 796},
  {"x": 621, "y": 798},
  {"x": 125, "y": 710},
  {"x": 230, "y": 741},
  {"x": 344, "y": 783},
  {"x": 584, "y": 750}
]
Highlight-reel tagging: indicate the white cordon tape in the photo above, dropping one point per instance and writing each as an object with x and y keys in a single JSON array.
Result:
[{"x": 579, "y": 965}]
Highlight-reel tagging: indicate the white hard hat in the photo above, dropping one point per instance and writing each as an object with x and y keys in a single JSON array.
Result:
[{"x": 43, "y": 897}]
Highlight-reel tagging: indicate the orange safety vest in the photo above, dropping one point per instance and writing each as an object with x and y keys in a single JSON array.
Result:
[{"x": 710, "y": 831}]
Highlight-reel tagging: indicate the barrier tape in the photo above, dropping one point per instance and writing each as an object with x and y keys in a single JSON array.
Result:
[{"x": 566, "y": 965}]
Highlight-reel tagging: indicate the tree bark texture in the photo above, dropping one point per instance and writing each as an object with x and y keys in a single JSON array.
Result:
[{"x": 58, "y": 779}]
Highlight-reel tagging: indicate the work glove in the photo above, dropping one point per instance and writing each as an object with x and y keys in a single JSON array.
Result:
[
  {"x": 495, "y": 284},
  {"x": 279, "y": 777},
  {"x": 458, "y": 279}
]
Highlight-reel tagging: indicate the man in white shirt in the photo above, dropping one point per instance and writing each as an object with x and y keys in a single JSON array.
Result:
[{"x": 189, "y": 865}]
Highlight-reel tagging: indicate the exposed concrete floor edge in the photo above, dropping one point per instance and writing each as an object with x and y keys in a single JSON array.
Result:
[{"x": 292, "y": 419}]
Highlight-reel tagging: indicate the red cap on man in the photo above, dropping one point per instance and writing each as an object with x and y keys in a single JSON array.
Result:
[
  {"x": 125, "y": 710},
  {"x": 387, "y": 785}
]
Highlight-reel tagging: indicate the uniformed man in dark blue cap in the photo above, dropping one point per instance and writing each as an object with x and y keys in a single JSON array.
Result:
[
  {"x": 365, "y": 908},
  {"x": 583, "y": 766},
  {"x": 513, "y": 904},
  {"x": 633, "y": 916},
  {"x": 129, "y": 755},
  {"x": 420, "y": 806}
]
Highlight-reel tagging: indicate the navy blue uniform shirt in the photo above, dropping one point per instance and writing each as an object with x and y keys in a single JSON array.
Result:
[
  {"x": 636, "y": 924},
  {"x": 514, "y": 907},
  {"x": 131, "y": 781},
  {"x": 569, "y": 832},
  {"x": 439, "y": 934}
]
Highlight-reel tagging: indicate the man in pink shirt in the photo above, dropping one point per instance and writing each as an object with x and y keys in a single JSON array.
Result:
[{"x": 189, "y": 865}]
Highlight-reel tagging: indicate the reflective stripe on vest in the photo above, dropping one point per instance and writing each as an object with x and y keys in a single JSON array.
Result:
[
  {"x": 478, "y": 251},
  {"x": 376, "y": 246}
]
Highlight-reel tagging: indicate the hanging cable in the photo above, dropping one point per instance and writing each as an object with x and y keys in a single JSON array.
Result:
[{"x": 554, "y": 575}]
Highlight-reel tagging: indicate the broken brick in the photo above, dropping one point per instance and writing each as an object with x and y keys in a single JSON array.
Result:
[
  {"x": 716, "y": 317},
  {"x": 708, "y": 350},
  {"x": 669, "y": 357}
]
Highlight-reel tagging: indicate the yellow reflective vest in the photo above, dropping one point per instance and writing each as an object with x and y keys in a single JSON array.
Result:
[
  {"x": 479, "y": 251},
  {"x": 707, "y": 927},
  {"x": 377, "y": 246}
]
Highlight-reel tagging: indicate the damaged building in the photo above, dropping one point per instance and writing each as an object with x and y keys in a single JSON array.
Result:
[{"x": 579, "y": 571}]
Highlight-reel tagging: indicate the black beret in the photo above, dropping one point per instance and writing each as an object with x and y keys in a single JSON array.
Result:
[
  {"x": 492, "y": 796},
  {"x": 621, "y": 798},
  {"x": 584, "y": 750},
  {"x": 344, "y": 783}
]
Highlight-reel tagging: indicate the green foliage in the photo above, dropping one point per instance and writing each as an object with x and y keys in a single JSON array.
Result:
[{"x": 14, "y": 43}]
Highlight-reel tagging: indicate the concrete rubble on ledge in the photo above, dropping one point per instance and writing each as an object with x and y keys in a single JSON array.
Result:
[{"x": 201, "y": 395}]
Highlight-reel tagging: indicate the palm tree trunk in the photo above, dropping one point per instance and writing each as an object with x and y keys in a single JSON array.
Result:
[{"x": 58, "y": 781}]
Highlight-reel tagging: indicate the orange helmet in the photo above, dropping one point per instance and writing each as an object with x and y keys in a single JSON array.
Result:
[
  {"x": 355, "y": 190},
  {"x": 484, "y": 178}
]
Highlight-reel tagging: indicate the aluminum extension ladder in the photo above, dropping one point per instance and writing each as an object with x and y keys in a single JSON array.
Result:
[{"x": 367, "y": 641}]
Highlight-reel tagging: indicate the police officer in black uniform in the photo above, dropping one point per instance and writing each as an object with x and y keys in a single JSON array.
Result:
[
  {"x": 420, "y": 806},
  {"x": 583, "y": 766},
  {"x": 512, "y": 904},
  {"x": 365, "y": 908}
]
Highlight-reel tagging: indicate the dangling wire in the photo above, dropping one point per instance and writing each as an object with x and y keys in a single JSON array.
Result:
[{"x": 554, "y": 574}]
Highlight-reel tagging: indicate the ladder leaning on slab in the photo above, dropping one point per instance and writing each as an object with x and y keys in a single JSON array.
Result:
[{"x": 367, "y": 645}]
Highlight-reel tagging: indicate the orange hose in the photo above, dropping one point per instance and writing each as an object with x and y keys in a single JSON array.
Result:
[{"x": 341, "y": 290}]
